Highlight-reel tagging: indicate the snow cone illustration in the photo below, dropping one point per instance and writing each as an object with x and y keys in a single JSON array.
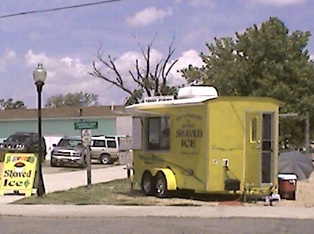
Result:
[{"x": 19, "y": 167}]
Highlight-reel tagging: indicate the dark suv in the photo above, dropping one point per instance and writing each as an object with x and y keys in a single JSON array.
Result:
[{"x": 26, "y": 142}]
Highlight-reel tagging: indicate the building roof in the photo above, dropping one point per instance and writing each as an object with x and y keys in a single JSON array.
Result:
[{"x": 63, "y": 113}]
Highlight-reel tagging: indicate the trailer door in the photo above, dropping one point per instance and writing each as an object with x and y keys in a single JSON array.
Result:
[{"x": 259, "y": 158}]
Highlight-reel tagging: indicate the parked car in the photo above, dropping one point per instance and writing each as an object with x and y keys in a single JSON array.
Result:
[
  {"x": 68, "y": 151},
  {"x": 24, "y": 142},
  {"x": 105, "y": 149}
]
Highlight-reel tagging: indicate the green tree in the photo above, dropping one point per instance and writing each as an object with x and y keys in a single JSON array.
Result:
[
  {"x": 10, "y": 104},
  {"x": 266, "y": 61},
  {"x": 72, "y": 99},
  {"x": 149, "y": 80}
]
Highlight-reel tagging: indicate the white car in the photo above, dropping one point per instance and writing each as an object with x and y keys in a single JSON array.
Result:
[{"x": 105, "y": 149}]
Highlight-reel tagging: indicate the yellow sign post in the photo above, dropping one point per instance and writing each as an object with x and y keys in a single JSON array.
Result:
[{"x": 18, "y": 173}]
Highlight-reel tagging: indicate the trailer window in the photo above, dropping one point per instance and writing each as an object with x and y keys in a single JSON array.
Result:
[
  {"x": 254, "y": 130},
  {"x": 158, "y": 133}
]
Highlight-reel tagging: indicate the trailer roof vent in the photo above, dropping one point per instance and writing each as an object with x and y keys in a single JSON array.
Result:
[{"x": 197, "y": 91}]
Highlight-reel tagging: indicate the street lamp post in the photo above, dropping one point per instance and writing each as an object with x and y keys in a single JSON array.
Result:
[{"x": 40, "y": 75}]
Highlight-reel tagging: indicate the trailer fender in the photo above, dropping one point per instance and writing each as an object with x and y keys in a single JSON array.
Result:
[{"x": 169, "y": 175}]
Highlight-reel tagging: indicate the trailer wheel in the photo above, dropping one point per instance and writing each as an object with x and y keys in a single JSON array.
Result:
[
  {"x": 161, "y": 185},
  {"x": 148, "y": 184}
]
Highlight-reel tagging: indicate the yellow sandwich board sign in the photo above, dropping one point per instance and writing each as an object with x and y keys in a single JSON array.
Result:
[{"x": 18, "y": 173}]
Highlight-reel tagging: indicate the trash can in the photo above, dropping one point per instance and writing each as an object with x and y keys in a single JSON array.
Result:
[{"x": 287, "y": 186}]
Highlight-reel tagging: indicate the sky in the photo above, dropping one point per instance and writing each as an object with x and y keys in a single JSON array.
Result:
[{"x": 66, "y": 41}]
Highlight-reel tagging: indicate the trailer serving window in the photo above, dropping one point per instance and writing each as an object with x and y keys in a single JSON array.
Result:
[{"x": 158, "y": 135}]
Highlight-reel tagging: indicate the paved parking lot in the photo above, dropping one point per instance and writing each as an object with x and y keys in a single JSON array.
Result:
[{"x": 47, "y": 169}]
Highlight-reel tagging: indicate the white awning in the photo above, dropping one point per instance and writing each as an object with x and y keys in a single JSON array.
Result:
[{"x": 147, "y": 108}]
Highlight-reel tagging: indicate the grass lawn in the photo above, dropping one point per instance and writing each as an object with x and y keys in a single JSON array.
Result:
[{"x": 119, "y": 192}]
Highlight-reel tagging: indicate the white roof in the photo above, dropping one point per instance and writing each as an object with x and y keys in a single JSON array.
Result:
[
  {"x": 197, "y": 91},
  {"x": 188, "y": 96},
  {"x": 172, "y": 102}
]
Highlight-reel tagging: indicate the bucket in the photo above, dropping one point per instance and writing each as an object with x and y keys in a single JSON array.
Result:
[{"x": 287, "y": 184}]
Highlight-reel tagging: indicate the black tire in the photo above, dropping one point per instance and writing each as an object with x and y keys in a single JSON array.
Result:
[
  {"x": 52, "y": 164},
  {"x": 161, "y": 185},
  {"x": 148, "y": 184},
  {"x": 84, "y": 164},
  {"x": 105, "y": 159}
]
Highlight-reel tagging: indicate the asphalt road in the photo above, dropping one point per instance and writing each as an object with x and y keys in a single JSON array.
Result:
[{"x": 153, "y": 225}]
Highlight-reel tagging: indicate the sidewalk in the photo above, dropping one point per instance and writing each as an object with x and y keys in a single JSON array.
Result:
[
  {"x": 100, "y": 175},
  {"x": 65, "y": 211},
  {"x": 52, "y": 184}
]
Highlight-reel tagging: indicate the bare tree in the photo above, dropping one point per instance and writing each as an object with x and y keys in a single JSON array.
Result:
[{"x": 150, "y": 80}]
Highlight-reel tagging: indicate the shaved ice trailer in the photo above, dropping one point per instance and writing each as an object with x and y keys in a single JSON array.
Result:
[{"x": 205, "y": 143}]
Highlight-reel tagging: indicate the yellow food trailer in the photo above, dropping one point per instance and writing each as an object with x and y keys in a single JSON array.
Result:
[{"x": 205, "y": 143}]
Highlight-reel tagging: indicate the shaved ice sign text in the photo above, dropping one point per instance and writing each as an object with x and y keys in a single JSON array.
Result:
[
  {"x": 189, "y": 131},
  {"x": 18, "y": 173}
]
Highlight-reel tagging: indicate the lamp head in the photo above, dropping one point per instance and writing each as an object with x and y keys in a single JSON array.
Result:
[{"x": 39, "y": 74}]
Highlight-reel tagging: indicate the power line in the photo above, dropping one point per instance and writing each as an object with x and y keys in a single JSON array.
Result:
[{"x": 58, "y": 8}]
